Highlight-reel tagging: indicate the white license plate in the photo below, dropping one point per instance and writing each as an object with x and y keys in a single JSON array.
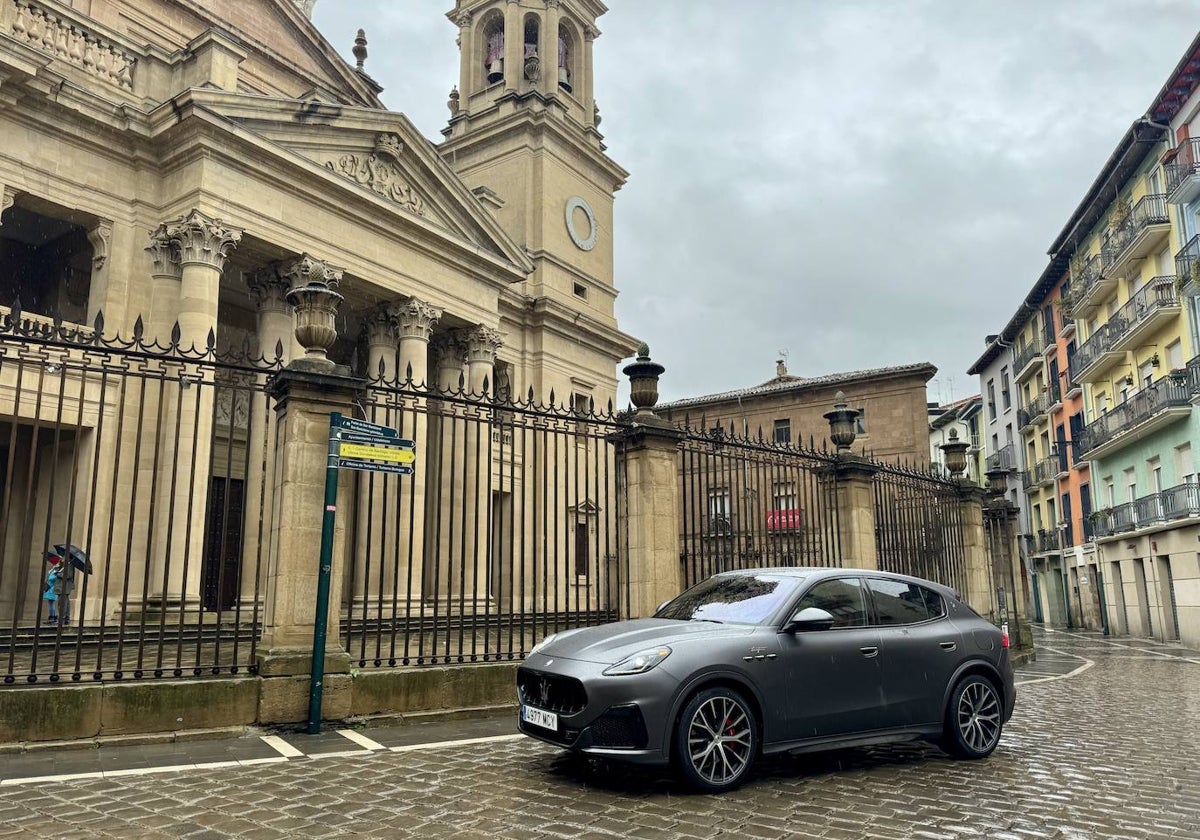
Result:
[{"x": 546, "y": 720}]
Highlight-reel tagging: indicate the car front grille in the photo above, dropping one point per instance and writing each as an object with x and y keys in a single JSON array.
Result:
[
  {"x": 621, "y": 727},
  {"x": 553, "y": 693}
]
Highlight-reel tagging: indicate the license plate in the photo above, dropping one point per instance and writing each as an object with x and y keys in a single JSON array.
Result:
[{"x": 546, "y": 720}]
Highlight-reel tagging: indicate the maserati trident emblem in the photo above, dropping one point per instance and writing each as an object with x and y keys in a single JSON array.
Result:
[{"x": 544, "y": 692}]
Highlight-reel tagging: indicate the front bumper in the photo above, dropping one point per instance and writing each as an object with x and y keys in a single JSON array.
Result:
[{"x": 622, "y": 717}]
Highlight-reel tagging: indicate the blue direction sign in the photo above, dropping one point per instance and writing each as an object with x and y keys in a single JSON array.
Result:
[
  {"x": 375, "y": 466},
  {"x": 362, "y": 427}
]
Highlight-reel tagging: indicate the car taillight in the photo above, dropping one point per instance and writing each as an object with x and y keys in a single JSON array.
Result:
[{"x": 1004, "y": 636}]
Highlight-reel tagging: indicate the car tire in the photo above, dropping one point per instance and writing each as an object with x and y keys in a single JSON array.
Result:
[
  {"x": 974, "y": 718},
  {"x": 716, "y": 740}
]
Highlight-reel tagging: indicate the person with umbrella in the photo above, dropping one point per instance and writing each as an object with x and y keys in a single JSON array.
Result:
[
  {"x": 71, "y": 558},
  {"x": 51, "y": 576}
]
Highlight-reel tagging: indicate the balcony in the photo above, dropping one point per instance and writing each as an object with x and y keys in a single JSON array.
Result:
[
  {"x": 1027, "y": 357},
  {"x": 1183, "y": 172},
  {"x": 1089, "y": 285},
  {"x": 1043, "y": 542},
  {"x": 1095, "y": 356},
  {"x": 1161, "y": 403},
  {"x": 1187, "y": 268},
  {"x": 1142, "y": 232},
  {"x": 1171, "y": 505},
  {"x": 1029, "y": 413},
  {"x": 1154, "y": 304},
  {"x": 1003, "y": 459},
  {"x": 1043, "y": 472}
]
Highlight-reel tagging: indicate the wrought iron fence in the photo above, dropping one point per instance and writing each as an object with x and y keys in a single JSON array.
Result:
[
  {"x": 747, "y": 502},
  {"x": 148, "y": 459},
  {"x": 918, "y": 526},
  {"x": 507, "y": 532}
]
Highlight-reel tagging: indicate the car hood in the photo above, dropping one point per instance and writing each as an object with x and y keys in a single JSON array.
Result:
[{"x": 610, "y": 643}]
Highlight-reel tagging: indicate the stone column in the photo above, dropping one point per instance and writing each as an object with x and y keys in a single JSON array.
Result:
[
  {"x": 855, "y": 499},
  {"x": 203, "y": 245},
  {"x": 276, "y": 331},
  {"x": 1000, "y": 520},
  {"x": 549, "y": 51},
  {"x": 514, "y": 46},
  {"x": 466, "y": 57},
  {"x": 444, "y": 471},
  {"x": 415, "y": 320},
  {"x": 306, "y": 393},
  {"x": 482, "y": 344},
  {"x": 588, "y": 93},
  {"x": 166, "y": 275}
]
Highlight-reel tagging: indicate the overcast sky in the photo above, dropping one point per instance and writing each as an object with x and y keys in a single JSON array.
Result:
[{"x": 859, "y": 183}]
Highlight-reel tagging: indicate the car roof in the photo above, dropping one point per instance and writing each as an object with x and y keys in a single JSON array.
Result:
[{"x": 826, "y": 571}]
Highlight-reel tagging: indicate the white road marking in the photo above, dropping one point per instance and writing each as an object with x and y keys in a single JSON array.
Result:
[
  {"x": 141, "y": 771},
  {"x": 491, "y": 739},
  {"x": 1142, "y": 648},
  {"x": 281, "y": 746},
  {"x": 360, "y": 739},
  {"x": 1087, "y": 663}
]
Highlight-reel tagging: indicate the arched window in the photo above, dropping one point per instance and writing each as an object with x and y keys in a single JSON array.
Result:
[
  {"x": 566, "y": 58},
  {"x": 529, "y": 57},
  {"x": 493, "y": 49}
]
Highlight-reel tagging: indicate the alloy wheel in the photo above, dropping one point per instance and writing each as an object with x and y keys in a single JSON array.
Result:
[
  {"x": 720, "y": 740},
  {"x": 979, "y": 716}
]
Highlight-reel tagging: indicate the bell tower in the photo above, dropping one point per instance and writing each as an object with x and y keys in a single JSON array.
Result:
[{"x": 523, "y": 134}]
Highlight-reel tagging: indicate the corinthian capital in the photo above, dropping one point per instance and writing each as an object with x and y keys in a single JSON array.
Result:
[
  {"x": 415, "y": 318},
  {"x": 305, "y": 270},
  {"x": 164, "y": 252},
  {"x": 449, "y": 351},
  {"x": 268, "y": 291},
  {"x": 380, "y": 328},
  {"x": 482, "y": 344},
  {"x": 203, "y": 241}
]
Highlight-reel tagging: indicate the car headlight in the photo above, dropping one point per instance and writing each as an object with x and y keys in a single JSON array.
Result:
[
  {"x": 639, "y": 663},
  {"x": 544, "y": 642}
]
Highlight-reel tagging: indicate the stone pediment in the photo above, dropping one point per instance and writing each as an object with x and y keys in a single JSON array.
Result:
[{"x": 380, "y": 170}]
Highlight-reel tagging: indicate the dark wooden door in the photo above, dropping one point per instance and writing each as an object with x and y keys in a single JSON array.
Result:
[{"x": 223, "y": 544}]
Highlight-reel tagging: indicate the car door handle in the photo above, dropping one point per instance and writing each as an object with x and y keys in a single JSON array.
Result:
[
  {"x": 948, "y": 645},
  {"x": 869, "y": 651}
]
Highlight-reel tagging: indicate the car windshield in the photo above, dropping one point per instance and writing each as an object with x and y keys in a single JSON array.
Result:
[{"x": 736, "y": 599}]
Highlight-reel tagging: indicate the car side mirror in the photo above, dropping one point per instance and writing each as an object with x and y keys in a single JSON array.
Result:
[{"x": 809, "y": 618}]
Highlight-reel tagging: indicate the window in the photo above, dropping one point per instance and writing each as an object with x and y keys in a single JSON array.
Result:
[
  {"x": 1146, "y": 373},
  {"x": 1175, "y": 355},
  {"x": 860, "y": 422},
  {"x": 1005, "y": 389},
  {"x": 1184, "y": 469},
  {"x": 582, "y": 558},
  {"x": 897, "y": 602},
  {"x": 718, "y": 512},
  {"x": 1154, "y": 470},
  {"x": 991, "y": 399},
  {"x": 842, "y": 598},
  {"x": 784, "y": 497},
  {"x": 1101, "y": 404},
  {"x": 1131, "y": 483},
  {"x": 580, "y": 290},
  {"x": 1110, "y": 495},
  {"x": 783, "y": 431}
]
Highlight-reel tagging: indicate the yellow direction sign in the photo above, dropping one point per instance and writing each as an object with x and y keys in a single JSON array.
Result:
[{"x": 377, "y": 453}]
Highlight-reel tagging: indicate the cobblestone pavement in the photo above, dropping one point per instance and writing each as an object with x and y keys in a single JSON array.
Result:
[{"x": 1105, "y": 743}]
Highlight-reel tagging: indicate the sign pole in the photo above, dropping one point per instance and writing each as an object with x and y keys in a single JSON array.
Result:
[{"x": 317, "y": 678}]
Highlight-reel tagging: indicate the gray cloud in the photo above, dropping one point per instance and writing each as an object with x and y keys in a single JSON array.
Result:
[{"x": 862, "y": 182}]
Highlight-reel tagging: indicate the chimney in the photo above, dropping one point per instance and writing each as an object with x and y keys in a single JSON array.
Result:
[
  {"x": 780, "y": 368},
  {"x": 306, "y": 6}
]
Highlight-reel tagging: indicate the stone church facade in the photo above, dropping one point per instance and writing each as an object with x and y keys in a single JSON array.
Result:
[{"x": 174, "y": 169}]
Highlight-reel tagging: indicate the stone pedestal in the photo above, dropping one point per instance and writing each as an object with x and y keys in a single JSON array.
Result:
[
  {"x": 648, "y": 476},
  {"x": 980, "y": 593},
  {"x": 306, "y": 394},
  {"x": 854, "y": 495}
]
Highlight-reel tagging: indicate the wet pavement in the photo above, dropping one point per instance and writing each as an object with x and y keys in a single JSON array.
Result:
[{"x": 1105, "y": 743}]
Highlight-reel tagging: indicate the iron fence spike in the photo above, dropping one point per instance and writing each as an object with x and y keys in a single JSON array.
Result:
[{"x": 279, "y": 350}]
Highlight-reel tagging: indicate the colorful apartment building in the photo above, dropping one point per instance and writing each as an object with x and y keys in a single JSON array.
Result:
[{"x": 1106, "y": 368}]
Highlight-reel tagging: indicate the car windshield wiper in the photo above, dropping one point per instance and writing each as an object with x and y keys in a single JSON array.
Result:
[{"x": 709, "y": 620}]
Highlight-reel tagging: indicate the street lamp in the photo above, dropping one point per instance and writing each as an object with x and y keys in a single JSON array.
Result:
[
  {"x": 842, "y": 423},
  {"x": 954, "y": 452}
]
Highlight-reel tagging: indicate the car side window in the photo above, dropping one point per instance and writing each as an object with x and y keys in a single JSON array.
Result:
[
  {"x": 933, "y": 603},
  {"x": 897, "y": 602},
  {"x": 842, "y": 598}
]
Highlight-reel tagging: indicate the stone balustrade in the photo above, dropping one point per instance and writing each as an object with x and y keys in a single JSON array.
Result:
[{"x": 70, "y": 38}]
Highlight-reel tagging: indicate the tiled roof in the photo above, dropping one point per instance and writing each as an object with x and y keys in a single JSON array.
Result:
[{"x": 784, "y": 384}]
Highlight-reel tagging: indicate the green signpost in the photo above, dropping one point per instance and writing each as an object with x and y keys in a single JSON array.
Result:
[{"x": 353, "y": 445}]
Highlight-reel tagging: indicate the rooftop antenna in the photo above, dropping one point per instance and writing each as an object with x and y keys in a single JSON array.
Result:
[{"x": 781, "y": 363}]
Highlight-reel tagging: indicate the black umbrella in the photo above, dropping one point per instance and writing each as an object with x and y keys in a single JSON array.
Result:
[{"x": 77, "y": 557}]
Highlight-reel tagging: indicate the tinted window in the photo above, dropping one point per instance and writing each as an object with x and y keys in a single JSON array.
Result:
[
  {"x": 933, "y": 603},
  {"x": 841, "y": 598},
  {"x": 738, "y": 599},
  {"x": 897, "y": 602}
]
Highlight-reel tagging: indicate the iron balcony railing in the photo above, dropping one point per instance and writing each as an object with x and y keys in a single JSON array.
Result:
[
  {"x": 1027, "y": 479},
  {"x": 1044, "y": 471},
  {"x": 1171, "y": 505},
  {"x": 1042, "y": 542},
  {"x": 1157, "y": 295},
  {"x": 1049, "y": 332},
  {"x": 1149, "y": 210},
  {"x": 1087, "y": 354},
  {"x": 1029, "y": 413},
  {"x": 1026, "y": 353},
  {"x": 1003, "y": 459},
  {"x": 1151, "y": 401},
  {"x": 1187, "y": 262},
  {"x": 1084, "y": 278},
  {"x": 1185, "y": 163}
]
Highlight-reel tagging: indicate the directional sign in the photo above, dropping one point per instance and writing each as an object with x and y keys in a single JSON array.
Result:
[
  {"x": 376, "y": 440},
  {"x": 364, "y": 428},
  {"x": 358, "y": 452},
  {"x": 375, "y": 466}
]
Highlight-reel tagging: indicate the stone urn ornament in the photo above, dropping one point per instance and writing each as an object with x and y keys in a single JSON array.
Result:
[
  {"x": 643, "y": 381},
  {"x": 316, "y": 306}
]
